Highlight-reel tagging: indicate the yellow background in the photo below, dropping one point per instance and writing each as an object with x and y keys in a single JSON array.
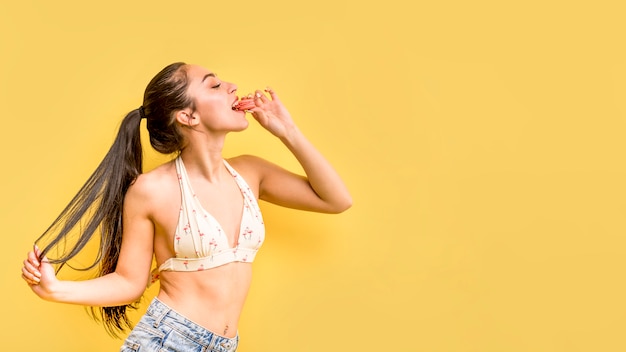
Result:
[{"x": 483, "y": 142}]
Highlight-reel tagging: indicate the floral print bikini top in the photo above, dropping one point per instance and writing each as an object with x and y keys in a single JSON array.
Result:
[{"x": 200, "y": 242}]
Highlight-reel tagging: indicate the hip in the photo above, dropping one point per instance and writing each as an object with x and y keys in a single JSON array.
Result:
[{"x": 163, "y": 329}]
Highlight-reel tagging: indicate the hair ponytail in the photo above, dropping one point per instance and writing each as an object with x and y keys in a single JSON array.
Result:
[{"x": 99, "y": 204}]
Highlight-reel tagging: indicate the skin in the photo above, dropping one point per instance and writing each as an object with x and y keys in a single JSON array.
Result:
[{"x": 212, "y": 298}]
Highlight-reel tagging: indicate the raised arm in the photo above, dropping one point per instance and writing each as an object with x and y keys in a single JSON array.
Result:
[
  {"x": 321, "y": 190},
  {"x": 121, "y": 287}
]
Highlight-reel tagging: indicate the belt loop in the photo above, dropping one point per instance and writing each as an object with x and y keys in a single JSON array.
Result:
[
  {"x": 212, "y": 342},
  {"x": 163, "y": 313}
]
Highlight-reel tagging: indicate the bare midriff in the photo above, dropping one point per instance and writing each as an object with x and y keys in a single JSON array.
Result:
[{"x": 212, "y": 298}]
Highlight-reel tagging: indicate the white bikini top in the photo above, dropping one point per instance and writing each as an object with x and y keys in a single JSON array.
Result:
[{"x": 200, "y": 243}]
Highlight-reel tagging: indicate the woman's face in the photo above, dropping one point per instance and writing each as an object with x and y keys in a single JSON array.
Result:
[{"x": 214, "y": 99}]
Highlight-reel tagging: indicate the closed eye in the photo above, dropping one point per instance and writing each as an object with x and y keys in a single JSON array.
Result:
[{"x": 214, "y": 76}]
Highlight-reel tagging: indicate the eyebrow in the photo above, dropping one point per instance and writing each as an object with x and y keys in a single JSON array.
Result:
[{"x": 208, "y": 75}]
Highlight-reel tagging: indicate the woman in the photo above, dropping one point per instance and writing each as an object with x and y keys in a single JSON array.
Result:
[{"x": 197, "y": 215}]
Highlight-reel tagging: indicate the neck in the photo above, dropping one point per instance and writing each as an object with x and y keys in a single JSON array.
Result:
[{"x": 203, "y": 156}]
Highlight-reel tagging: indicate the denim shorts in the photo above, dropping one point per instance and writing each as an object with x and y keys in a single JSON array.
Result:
[{"x": 162, "y": 329}]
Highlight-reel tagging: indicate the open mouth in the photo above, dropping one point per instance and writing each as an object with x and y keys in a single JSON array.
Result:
[{"x": 246, "y": 103}]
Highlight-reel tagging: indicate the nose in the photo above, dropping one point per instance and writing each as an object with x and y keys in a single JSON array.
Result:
[{"x": 232, "y": 88}]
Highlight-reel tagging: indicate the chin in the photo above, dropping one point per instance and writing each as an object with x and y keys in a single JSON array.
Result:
[
  {"x": 238, "y": 122},
  {"x": 242, "y": 127}
]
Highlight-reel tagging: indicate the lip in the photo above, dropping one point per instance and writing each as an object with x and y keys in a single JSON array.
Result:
[{"x": 234, "y": 102}]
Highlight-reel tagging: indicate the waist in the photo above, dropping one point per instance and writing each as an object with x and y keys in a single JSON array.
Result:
[
  {"x": 211, "y": 298},
  {"x": 164, "y": 314},
  {"x": 217, "y": 287}
]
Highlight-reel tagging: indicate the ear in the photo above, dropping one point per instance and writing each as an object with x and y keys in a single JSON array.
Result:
[{"x": 186, "y": 118}]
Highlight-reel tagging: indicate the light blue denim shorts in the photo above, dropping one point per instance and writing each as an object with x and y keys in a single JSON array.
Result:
[{"x": 162, "y": 329}]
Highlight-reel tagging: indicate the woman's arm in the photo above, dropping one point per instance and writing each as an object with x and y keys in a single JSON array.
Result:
[
  {"x": 322, "y": 189},
  {"x": 121, "y": 287}
]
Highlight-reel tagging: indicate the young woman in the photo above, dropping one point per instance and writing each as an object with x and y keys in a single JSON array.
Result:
[{"x": 197, "y": 214}]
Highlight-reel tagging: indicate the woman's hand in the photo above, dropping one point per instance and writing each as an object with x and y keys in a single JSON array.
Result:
[
  {"x": 39, "y": 275},
  {"x": 272, "y": 114},
  {"x": 321, "y": 190}
]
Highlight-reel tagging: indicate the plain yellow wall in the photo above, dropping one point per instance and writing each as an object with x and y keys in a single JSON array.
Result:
[{"x": 483, "y": 142}]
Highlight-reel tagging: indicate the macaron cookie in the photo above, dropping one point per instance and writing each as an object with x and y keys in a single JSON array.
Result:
[{"x": 246, "y": 103}]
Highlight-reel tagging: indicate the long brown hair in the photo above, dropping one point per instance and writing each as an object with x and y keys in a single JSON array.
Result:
[{"x": 98, "y": 205}]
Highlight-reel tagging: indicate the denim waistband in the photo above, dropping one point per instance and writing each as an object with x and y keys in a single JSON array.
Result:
[{"x": 163, "y": 314}]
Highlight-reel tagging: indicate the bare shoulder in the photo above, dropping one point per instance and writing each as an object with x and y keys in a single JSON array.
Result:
[
  {"x": 247, "y": 164},
  {"x": 254, "y": 166},
  {"x": 250, "y": 167},
  {"x": 151, "y": 186}
]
